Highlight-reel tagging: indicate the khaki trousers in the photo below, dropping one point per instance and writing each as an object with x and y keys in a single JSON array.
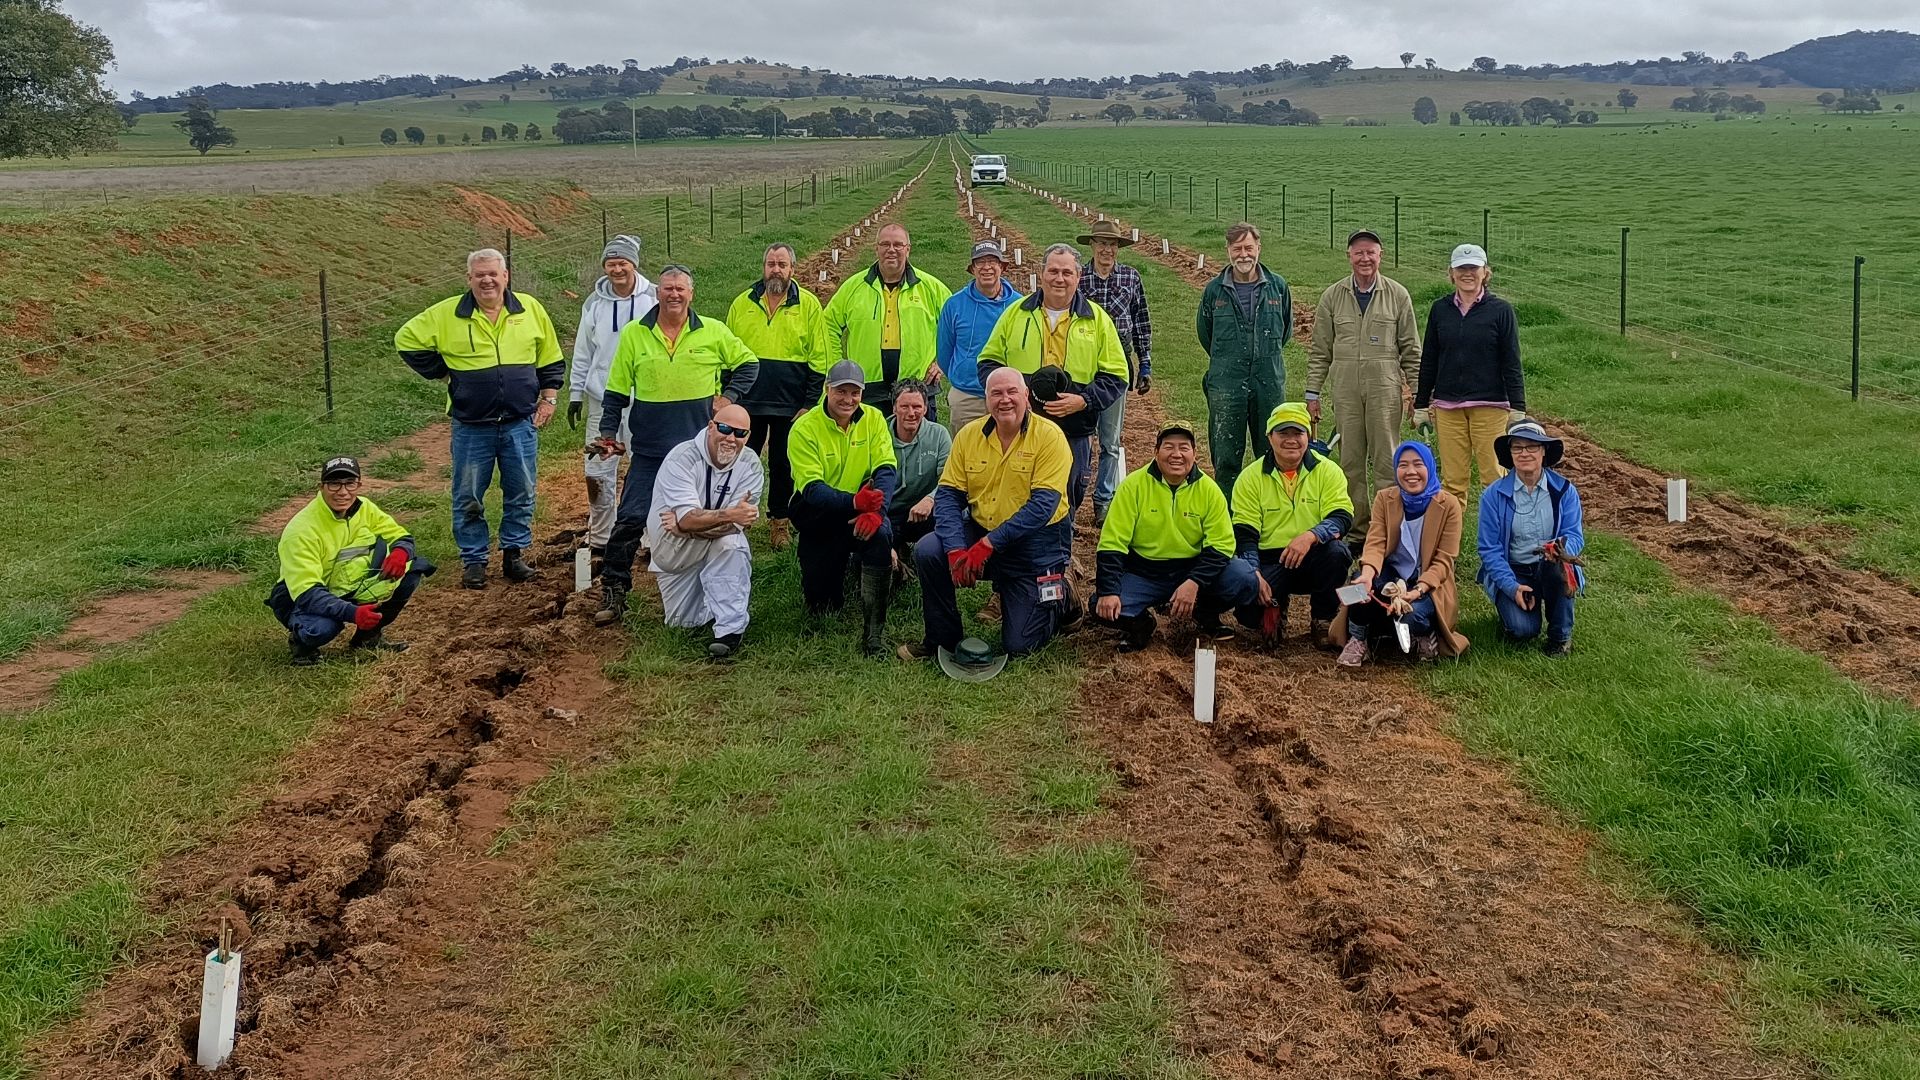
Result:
[
  {"x": 1466, "y": 437},
  {"x": 963, "y": 409}
]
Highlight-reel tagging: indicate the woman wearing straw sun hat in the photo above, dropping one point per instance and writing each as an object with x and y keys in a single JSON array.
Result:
[{"x": 1470, "y": 381}]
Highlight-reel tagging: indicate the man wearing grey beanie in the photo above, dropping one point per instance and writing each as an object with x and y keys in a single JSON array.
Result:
[{"x": 622, "y": 295}]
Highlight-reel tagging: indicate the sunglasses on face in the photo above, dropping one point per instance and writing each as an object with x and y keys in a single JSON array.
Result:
[{"x": 729, "y": 429}]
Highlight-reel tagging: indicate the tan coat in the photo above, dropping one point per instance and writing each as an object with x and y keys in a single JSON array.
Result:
[{"x": 1439, "y": 547}]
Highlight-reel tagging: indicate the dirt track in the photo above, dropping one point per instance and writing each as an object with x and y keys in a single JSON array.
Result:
[
  {"x": 379, "y": 927},
  {"x": 1863, "y": 623},
  {"x": 1349, "y": 894}
]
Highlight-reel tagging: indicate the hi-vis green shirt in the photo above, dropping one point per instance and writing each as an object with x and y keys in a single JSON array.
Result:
[
  {"x": 1154, "y": 527},
  {"x": 791, "y": 345},
  {"x": 856, "y": 312},
  {"x": 494, "y": 370},
  {"x": 670, "y": 389},
  {"x": 338, "y": 552},
  {"x": 844, "y": 459},
  {"x": 1269, "y": 510},
  {"x": 1095, "y": 359}
]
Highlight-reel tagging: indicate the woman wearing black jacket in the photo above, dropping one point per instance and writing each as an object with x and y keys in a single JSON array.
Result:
[{"x": 1470, "y": 382}]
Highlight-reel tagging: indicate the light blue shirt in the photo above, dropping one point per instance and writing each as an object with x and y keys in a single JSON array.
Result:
[
  {"x": 1404, "y": 562},
  {"x": 1532, "y": 522}
]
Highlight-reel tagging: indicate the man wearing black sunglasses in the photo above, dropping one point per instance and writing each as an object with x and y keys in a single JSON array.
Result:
[{"x": 705, "y": 498}]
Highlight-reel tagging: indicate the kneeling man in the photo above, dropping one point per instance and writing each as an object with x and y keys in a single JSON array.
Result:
[
  {"x": 706, "y": 496},
  {"x": 844, "y": 473},
  {"x": 343, "y": 560},
  {"x": 1168, "y": 540}
]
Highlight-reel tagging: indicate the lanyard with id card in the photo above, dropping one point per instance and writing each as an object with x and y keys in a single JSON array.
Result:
[{"x": 1053, "y": 587}]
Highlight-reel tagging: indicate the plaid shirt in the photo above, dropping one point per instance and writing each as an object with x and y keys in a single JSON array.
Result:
[{"x": 1123, "y": 296}]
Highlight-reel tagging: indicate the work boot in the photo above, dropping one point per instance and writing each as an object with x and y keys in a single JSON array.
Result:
[
  {"x": 1210, "y": 628},
  {"x": 875, "y": 586},
  {"x": 1558, "y": 649},
  {"x": 914, "y": 652},
  {"x": 1322, "y": 635},
  {"x": 369, "y": 643},
  {"x": 302, "y": 655},
  {"x": 596, "y": 560},
  {"x": 613, "y": 606},
  {"x": 1099, "y": 515},
  {"x": 1136, "y": 632},
  {"x": 473, "y": 576},
  {"x": 990, "y": 611},
  {"x": 725, "y": 646},
  {"x": 514, "y": 566},
  {"x": 778, "y": 534}
]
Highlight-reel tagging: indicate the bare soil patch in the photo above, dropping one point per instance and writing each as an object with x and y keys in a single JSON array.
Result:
[{"x": 495, "y": 212}]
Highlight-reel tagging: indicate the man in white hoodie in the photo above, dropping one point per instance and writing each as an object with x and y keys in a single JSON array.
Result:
[
  {"x": 618, "y": 298},
  {"x": 706, "y": 496}
]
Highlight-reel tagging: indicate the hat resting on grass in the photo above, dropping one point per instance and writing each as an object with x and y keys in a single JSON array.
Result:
[
  {"x": 1530, "y": 430},
  {"x": 972, "y": 660}
]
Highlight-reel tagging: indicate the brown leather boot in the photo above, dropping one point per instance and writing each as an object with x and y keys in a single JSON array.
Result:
[{"x": 777, "y": 534}]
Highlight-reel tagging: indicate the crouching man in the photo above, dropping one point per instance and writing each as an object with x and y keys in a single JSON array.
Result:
[
  {"x": 343, "y": 561},
  {"x": 1168, "y": 540},
  {"x": 706, "y": 496}
]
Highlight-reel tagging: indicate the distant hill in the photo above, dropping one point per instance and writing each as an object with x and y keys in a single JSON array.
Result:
[{"x": 1871, "y": 59}]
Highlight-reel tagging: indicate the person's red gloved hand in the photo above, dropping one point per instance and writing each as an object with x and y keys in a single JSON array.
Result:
[
  {"x": 395, "y": 565},
  {"x": 1270, "y": 622},
  {"x": 367, "y": 617},
  {"x": 868, "y": 500},
  {"x": 867, "y": 524},
  {"x": 957, "y": 567},
  {"x": 977, "y": 557}
]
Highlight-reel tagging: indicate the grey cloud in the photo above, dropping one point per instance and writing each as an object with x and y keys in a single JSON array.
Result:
[{"x": 165, "y": 45}]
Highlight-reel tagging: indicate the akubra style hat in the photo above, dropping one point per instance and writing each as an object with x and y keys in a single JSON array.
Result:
[
  {"x": 972, "y": 660},
  {"x": 1107, "y": 229},
  {"x": 1529, "y": 429}
]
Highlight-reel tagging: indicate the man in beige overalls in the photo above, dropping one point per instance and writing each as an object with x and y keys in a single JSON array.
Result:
[{"x": 1365, "y": 335}]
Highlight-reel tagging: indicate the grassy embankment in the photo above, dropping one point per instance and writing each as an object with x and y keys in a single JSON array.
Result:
[
  {"x": 811, "y": 864},
  {"x": 147, "y": 750},
  {"x": 1723, "y": 290},
  {"x": 1773, "y": 798}
]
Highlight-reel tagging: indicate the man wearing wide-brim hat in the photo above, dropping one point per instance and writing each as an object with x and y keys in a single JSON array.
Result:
[
  {"x": 1119, "y": 291},
  {"x": 966, "y": 321},
  {"x": 1531, "y": 538}
]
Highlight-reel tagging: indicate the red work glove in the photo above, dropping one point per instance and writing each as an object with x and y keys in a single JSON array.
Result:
[
  {"x": 867, "y": 523},
  {"x": 1270, "y": 622},
  {"x": 367, "y": 617},
  {"x": 868, "y": 500},
  {"x": 977, "y": 557},
  {"x": 957, "y": 567},
  {"x": 1550, "y": 551},
  {"x": 395, "y": 565}
]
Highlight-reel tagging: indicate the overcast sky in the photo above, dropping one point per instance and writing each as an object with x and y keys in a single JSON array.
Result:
[{"x": 167, "y": 45}]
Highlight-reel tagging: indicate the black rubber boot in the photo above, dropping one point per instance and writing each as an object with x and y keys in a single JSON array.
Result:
[
  {"x": 876, "y": 586},
  {"x": 473, "y": 576},
  {"x": 1136, "y": 633},
  {"x": 374, "y": 641},
  {"x": 302, "y": 655},
  {"x": 725, "y": 646},
  {"x": 613, "y": 605},
  {"x": 514, "y": 566}
]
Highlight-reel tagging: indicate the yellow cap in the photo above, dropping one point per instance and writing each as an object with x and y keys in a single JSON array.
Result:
[{"x": 1293, "y": 412}]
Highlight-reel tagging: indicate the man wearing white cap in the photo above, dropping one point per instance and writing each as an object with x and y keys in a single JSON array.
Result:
[{"x": 622, "y": 295}]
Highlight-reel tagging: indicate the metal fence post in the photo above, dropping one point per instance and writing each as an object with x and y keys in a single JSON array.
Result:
[
  {"x": 666, "y": 208},
  {"x": 1623, "y": 280},
  {"x": 763, "y": 202},
  {"x": 509, "y": 253},
  {"x": 1283, "y": 209},
  {"x": 1486, "y": 219},
  {"x": 603, "y": 228},
  {"x": 1329, "y": 219},
  {"x": 1396, "y": 232},
  {"x": 1246, "y": 201},
  {"x": 1858, "y": 262},
  {"x": 709, "y": 211},
  {"x": 1216, "y": 198},
  {"x": 743, "y": 209},
  {"x": 326, "y": 342}
]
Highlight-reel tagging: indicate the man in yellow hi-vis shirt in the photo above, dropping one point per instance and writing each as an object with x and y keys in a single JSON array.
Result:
[
  {"x": 504, "y": 368},
  {"x": 1168, "y": 541},
  {"x": 783, "y": 324},
  {"x": 995, "y": 514},
  {"x": 887, "y": 320},
  {"x": 672, "y": 369},
  {"x": 1290, "y": 510},
  {"x": 844, "y": 474}
]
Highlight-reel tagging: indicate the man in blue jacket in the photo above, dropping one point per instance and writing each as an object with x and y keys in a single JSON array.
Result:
[
  {"x": 1531, "y": 538},
  {"x": 966, "y": 321}
]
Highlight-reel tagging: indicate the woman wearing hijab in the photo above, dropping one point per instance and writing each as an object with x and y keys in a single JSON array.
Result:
[{"x": 1413, "y": 539}]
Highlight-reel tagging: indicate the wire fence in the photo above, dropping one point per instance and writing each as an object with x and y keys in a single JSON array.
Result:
[{"x": 1842, "y": 320}]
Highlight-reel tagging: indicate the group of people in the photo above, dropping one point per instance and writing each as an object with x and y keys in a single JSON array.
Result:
[{"x": 829, "y": 413}]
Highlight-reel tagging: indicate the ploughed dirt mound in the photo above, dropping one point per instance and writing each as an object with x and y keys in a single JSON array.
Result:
[
  {"x": 1352, "y": 895},
  {"x": 1863, "y": 623},
  {"x": 493, "y": 211}
]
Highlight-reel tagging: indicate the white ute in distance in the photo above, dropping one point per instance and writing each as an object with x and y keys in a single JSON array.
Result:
[{"x": 987, "y": 169}]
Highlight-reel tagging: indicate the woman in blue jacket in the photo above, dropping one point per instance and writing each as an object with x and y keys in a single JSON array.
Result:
[{"x": 1530, "y": 539}]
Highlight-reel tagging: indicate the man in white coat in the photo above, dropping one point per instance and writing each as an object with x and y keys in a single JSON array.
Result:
[
  {"x": 704, "y": 500},
  {"x": 618, "y": 298}
]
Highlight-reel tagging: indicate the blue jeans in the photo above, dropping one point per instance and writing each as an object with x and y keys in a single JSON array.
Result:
[
  {"x": 312, "y": 631},
  {"x": 1077, "y": 477},
  {"x": 1364, "y": 620},
  {"x": 1237, "y": 586},
  {"x": 514, "y": 446},
  {"x": 1552, "y": 604},
  {"x": 1026, "y": 621},
  {"x": 1109, "y": 432}
]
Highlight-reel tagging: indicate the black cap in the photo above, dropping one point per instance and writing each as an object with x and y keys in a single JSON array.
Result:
[
  {"x": 1363, "y": 234},
  {"x": 340, "y": 468}
]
